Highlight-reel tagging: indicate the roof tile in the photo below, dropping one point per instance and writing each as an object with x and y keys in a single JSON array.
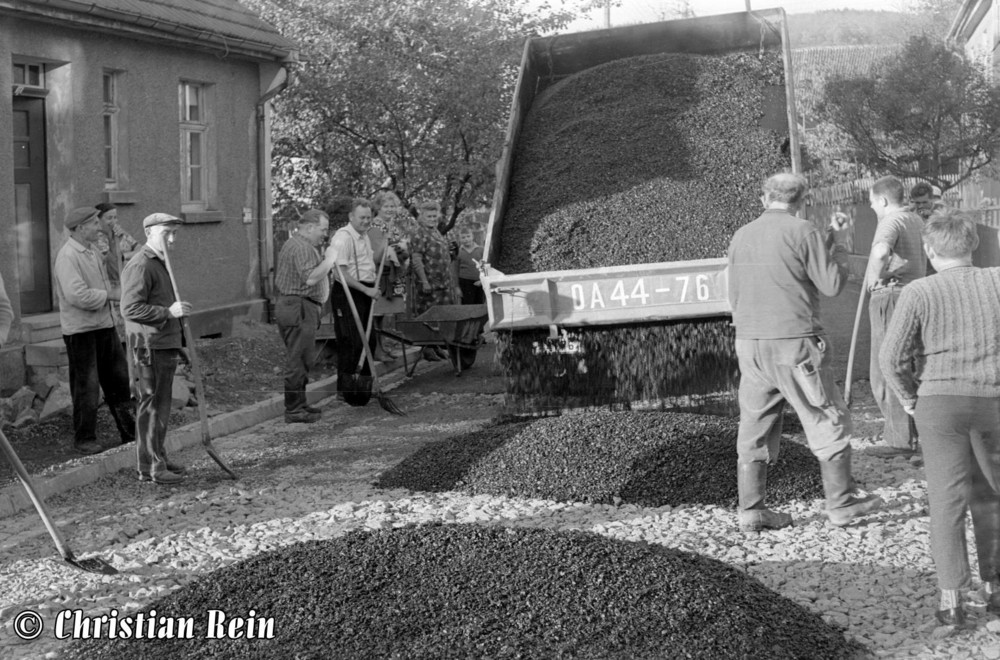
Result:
[
  {"x": 218, "y": 18},
  {"x": 841, "y": 61}
]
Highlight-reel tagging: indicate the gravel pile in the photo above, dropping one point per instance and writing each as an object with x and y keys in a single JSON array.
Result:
[
  {"x": 643, "y": 159},
  {"x": 646, "y": 159},
  {"x": 313, "y": 482},
  {"x": 422, "y": 592},
  {"x": 649, "y": 459}
]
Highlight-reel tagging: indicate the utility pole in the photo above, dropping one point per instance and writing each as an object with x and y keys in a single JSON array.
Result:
[
  {"x": 607, "y": 13},
  {"x": 748, "y": 5}
]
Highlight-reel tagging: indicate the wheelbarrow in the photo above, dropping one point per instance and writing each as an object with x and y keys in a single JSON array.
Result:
[{"x": 458, "y": 328}]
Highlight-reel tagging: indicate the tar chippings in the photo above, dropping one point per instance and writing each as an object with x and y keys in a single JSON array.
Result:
[
  {"x": 468, "y": 591},
  {"x": 602, "y": 457},
  {"x": 645, "y": 159}
]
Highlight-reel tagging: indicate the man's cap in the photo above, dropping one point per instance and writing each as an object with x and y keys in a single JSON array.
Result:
[
  {"x": 79, "y": 216},
  {"x": 160, "y": 219}
]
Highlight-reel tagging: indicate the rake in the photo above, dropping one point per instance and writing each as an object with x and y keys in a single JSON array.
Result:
[
  {"x": 387, "y": 404},
  {"x": 357, "y": 389}
]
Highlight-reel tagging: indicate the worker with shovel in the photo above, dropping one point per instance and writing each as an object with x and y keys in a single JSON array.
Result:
[
  {"x": 303, "y": 281},
  {"x": 779, "y": 265},
  {"x": 896, "y": 260},
  {"x": 354, "y": 257},
  {"x": 155, "y": 340}
]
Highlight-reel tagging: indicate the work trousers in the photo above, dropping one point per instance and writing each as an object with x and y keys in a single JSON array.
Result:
[
  {"x": 350, "y": 344},
  {"x": 899, "y": 429},
  {"x": 155, "y": 384},
  {"x": 471, "y": 294},
  {"x": 796, "y": 370},
  {"x": 298, "y": 319},
  {"x": 97, "y": 363},
  {"x": 961, "y": 444}
]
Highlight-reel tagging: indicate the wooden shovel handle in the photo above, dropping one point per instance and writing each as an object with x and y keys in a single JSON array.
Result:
[{"x": 854, "y": 345}]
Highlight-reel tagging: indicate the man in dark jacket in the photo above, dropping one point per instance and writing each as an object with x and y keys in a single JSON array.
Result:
[
  {"x": 153, "y": 328},
  {"x": 779, "y": 265}
]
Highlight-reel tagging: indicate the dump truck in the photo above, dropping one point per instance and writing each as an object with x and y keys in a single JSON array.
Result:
[{"x": 571, "y": 336}]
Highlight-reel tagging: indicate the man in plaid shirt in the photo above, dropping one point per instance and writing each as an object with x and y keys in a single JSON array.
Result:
[{"x": 302, "y": 280}]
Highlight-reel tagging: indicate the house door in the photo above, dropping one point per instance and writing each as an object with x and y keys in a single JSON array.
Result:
[{"x": 31, "y": 205}]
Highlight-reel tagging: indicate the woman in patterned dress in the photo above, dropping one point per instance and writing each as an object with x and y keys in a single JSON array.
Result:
[
  {"x": 391, "y": 225},
  {"x": 435, "y": 272}
]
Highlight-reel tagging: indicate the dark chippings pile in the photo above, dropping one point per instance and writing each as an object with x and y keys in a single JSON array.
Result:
[
  {"x": 466, "y": 591},
  {"x": 642, "y": 160},
  {"x": 646, "y": 159},
  {"x": 644, "y": 458}
]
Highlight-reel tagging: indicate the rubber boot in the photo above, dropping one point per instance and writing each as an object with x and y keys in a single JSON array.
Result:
[
  {"x": 751, "y": 481},
  {"x": 842, "y": 502}
]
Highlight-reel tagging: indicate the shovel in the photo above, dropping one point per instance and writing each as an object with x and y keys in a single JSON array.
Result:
[
  {"x": 206, "y": 436},
  {"x": 854, "y": 344},
  {"x": 357, "y": 388},
  {"x": 90, "y": 564},
  {"x": 387, "y": 404}
]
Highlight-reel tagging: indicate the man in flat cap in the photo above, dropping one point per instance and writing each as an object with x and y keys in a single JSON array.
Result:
[
  {"x": 96, "y": 359},
  {"x": 153, "y": 329}
]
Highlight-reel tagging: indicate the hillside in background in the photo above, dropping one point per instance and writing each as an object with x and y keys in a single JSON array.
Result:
[{"x": 844, "y": 27}]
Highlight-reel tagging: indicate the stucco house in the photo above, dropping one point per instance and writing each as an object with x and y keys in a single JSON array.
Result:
[
  {"x": 154, "y": 105},
  {"x": 976, "y": 29}
]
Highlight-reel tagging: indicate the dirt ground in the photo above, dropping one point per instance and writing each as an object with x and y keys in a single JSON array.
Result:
[
  {"x": 246, "y": 368},
  {"x": 237, "y": 371}
]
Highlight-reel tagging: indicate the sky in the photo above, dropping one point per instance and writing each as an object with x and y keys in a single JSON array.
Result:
[{"x": 646, "y": 11}]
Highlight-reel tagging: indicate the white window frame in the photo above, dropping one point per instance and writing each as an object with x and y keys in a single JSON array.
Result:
[
  {"x": 200, "y": 125},
  {"x": 30, "y": 68},
  {"x": 110, "y": 125}
]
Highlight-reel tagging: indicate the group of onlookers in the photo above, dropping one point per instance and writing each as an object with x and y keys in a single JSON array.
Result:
[
  {"x": 384, "y": 261},
  {"x": 120, "y": 322},
  {"x": 121, "y": 319},
  {"x": 935, "y": 366}
]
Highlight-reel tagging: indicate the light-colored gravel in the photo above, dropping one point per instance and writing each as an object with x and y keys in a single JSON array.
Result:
[{"x": 297, "y": 484}]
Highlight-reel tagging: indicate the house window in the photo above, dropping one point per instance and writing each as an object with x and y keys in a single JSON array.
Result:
[
  {"x": 29, "y": 75},
  {"x": 110, "y": 118},
  {"x": 196, "y": 154}
]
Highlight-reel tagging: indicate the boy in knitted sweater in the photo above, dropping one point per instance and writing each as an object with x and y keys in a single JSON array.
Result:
[{"x": 941, "y": 355}]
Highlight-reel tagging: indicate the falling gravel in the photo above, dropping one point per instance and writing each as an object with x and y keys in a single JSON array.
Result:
[
  {"x": 467, "y": 591},
  {"x": 644, "y": 458},
  {"x": 682, "y": 365}
]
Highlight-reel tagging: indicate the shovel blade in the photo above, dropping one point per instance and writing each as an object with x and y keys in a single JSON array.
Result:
[
  {"x": 92, "y": 565},
  {"x": 357, "y": 390}
]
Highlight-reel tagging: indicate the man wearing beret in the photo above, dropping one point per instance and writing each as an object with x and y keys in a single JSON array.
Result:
[
  {"x": 96, "y": 359},
  {"x": 153, "y": 330}
]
